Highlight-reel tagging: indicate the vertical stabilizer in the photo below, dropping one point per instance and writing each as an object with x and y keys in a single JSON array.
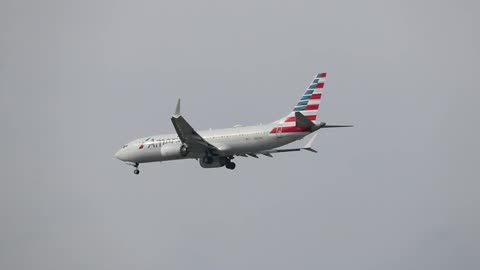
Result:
[{"x": 309, "y": 103}]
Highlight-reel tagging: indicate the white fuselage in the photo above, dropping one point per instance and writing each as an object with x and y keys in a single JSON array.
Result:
[
  {"x": 231, "y": 141},
  {"x": 217, "y": 148}
]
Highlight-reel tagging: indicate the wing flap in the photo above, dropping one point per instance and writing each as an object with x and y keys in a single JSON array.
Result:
[{"x": 268, "y": 153}]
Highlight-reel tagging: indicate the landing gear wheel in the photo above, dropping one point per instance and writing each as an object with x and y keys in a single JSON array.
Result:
[
  {"x": 136, "y": 171},
  {"x": 230, "y": 165}
]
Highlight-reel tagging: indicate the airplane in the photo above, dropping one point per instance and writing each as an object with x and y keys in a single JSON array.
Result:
[{"x": 217, "y": 148}]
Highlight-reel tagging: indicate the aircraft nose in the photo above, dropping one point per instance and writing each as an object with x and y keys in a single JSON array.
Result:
[{"x": 118, "y": 154}]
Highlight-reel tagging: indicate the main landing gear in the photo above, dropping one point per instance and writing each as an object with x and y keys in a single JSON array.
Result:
[
  {"x": 136, "y": 171},
  {"x": 229, "y": 164},
  {"x": 209, "y": 161}
]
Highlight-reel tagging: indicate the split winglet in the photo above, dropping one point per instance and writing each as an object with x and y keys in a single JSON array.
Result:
[
  {"x": 308, "y": 146},
  {"x": 177, "y": 109}
]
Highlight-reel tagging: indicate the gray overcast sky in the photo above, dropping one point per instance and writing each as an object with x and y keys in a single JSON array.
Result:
[{"x": 78, "y": 79}]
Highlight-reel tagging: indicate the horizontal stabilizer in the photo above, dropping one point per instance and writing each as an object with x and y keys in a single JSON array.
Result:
[
  {"x": 301, "y": 121},
  {"x": 324, "y": 125}
]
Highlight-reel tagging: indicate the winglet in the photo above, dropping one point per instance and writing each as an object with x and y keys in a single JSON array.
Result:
[
  {"x": 177, "y": 109},
  {"x": 308, "y": 146}
]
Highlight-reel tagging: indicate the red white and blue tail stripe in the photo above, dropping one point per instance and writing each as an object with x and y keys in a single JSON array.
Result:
[{"x": 310, "y": 101}]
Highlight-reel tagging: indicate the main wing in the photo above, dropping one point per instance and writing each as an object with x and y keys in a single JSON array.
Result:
[
  {"x": 188, "y": 136},
  {"x": 269, "y": 153}
]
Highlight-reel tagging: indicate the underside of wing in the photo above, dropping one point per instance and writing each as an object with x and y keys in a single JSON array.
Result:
[{"x": 268, "y": 153}]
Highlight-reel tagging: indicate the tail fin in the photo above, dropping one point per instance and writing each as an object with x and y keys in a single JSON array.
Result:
[{"x": 310, "y": 101}]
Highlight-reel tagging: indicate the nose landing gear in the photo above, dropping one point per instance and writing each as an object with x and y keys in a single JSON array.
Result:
[{"x": 136, "y": 171}]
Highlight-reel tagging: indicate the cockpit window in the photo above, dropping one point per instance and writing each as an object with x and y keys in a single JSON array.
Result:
[{"x": 125, "y": 145}]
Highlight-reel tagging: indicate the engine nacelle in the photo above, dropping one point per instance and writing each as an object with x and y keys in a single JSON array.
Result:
[
  {"x": 184, "y": 150},
  {"x": 174, "y": 150},
  {"x": 216, "y": 163}
]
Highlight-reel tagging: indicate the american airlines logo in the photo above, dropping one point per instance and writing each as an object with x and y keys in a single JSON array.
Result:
[
  {"x": 150, "y": 145},
  {"x": 156, "y": 144}
]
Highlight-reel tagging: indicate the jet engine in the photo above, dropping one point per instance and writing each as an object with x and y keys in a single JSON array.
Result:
[
  {"x": 216, "y": 162},
  {"x": 184, "y": 150}
]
